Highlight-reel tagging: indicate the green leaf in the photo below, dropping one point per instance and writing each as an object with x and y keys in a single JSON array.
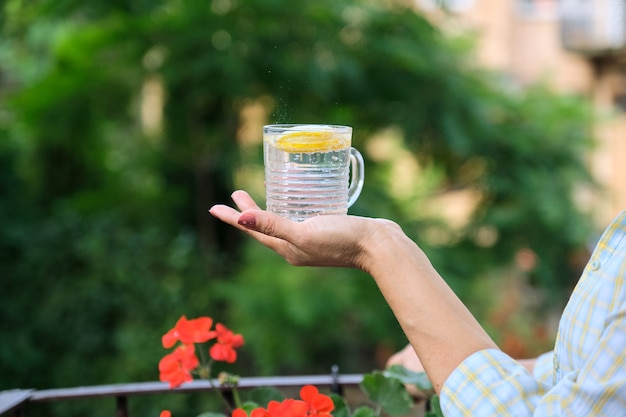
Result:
[
  {"x": 341, "y": 406},
  {"x": 435, "y": 408},
  {"x": 387, "y": 392},
  {"x": 264, "y": 395},
  {"x": 364, "y": 411},
  {"x": 419, "y": 379},
  {"x": 248, "y": 406}
]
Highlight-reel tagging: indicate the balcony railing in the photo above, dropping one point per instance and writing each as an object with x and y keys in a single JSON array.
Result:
[{"x": 13, "y": 403}]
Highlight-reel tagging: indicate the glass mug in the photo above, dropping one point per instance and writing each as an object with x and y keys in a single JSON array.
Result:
[{"x": 307, "y": 170}]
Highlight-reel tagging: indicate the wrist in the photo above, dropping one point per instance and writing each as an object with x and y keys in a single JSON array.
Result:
[{"x": 382, "y": 238}]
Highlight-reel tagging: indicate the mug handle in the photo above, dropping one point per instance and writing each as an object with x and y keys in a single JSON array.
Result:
[{"x": 357, "y": 176}]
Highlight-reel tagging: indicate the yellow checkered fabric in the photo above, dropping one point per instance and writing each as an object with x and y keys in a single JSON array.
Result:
[{"x": 588, "y": 372}]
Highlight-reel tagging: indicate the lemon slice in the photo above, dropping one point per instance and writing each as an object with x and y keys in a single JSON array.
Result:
[{"x": 311, "y": 142}]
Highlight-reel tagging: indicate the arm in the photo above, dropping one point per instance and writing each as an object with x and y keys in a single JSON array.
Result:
[
  {"x": 471, "y": 375},
  {"x": 438, "y": 325}
]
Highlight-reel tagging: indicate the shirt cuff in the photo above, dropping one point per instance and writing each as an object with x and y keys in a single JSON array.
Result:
[{"x": 490, "y": 383}]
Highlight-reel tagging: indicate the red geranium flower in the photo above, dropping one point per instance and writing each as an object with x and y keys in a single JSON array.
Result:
[
  {"x": 259, "y": 412},
  {"x": 165, "y": 413},
  {"x": 189, "y": 331},
  {"x": 227, "y": 342},
  {"x": 176, "y": 367},
  {"x": 239, "y": 412},
  {"x": 287, "y": 408},
  {"x": 319, "y": 405}
]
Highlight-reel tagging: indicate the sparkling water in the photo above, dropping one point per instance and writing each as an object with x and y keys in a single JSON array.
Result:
[{"x": 300, "y": 185}]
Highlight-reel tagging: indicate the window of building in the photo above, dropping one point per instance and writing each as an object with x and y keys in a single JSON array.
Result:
[{"x": 593, "y": 26}]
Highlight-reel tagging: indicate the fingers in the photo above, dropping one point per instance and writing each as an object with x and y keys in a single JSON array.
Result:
[
  {"x": 255, "y": 219},
  {"x": 242, "y": 221},
  {"x": 226, "y": 214},
  {"x": 275, "y": 232},
  {"x": 231, "y": 216},
  {"x": 407, "y": 358},
  {"x": 268, "y": 224},
  {"x": 244, "y": 201},
  {"x": 267, "y": 228}
]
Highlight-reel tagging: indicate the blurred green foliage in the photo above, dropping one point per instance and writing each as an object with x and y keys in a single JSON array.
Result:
[{"x": 105, "y": 237}]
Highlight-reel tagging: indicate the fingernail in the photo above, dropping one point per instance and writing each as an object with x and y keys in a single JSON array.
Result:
[{"x": 247, "y": 220}]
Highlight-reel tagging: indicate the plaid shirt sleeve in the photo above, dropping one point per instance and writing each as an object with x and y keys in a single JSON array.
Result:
[
  {"x": 543, "y": 369},
  {"x": 490, "y": 383},
  {"x": 589, "y": 359}
]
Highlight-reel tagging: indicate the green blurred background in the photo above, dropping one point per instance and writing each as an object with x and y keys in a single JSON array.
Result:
[{"x": 122, "y": 122}]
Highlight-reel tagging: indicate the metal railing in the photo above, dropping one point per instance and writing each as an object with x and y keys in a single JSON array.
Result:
[{"x": 13, "y": 402}]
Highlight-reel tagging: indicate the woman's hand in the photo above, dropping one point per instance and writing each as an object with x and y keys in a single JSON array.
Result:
[
  {"x": 341, "y": 241},
  {"x": 408, "y": 359}
]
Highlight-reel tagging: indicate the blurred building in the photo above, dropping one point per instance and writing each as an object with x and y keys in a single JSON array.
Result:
[{"x": 576, "y": 46}]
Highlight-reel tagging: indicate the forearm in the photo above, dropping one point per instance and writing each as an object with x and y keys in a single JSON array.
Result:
[{"x": 437, "y": 324}]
